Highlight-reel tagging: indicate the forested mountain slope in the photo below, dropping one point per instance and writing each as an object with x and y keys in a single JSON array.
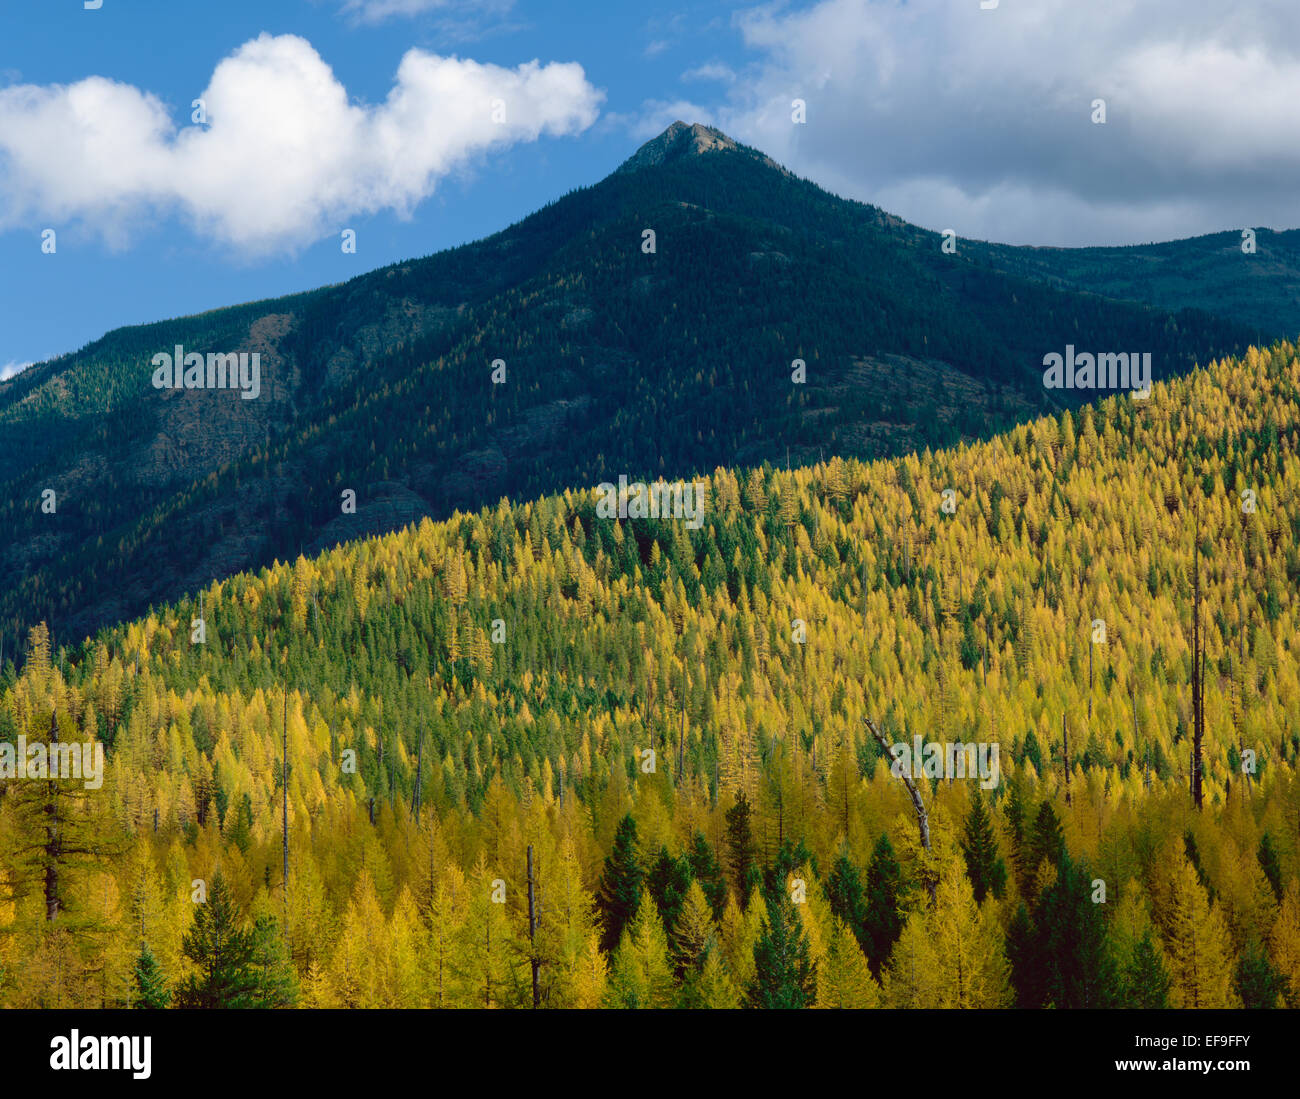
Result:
[
  {"x": 457, "y": 692},
  {"x": 616, "y": 360},
  {"x": 1255, "y": 281}
]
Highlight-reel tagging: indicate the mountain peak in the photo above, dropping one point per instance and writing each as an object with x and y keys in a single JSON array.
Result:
[{"x": 679, "y": 141}]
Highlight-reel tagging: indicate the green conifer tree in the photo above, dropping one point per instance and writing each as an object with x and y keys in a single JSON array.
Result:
[
  {"x": 1258, "y": 984},
  {"x": 784, "y": 974},
  {"x": 223, "y": 953},
  {"x": 883, "y": 922},
  {"x": 619, "y": 895},
  {"x": 741, "y": 850},
  {"x": 979, "y": 846},
  {"x": 706, "y": 870},
  {"x": 1271, "y": 865},
  {"x": 847, "y": 900},
  {"x": 1072, "y": 947},
  {"x": 149, "y": 983},
  {"x": 1146, "y": 977}
]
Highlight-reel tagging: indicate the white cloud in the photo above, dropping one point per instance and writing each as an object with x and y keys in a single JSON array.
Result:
[
  {"x": 981, "y": 120},
  {"x": 9, "y": 369},
  {"x": 376, "y": 11},
  {"x": 711, "y": 71},
  {"x": 286, "y": 157}
]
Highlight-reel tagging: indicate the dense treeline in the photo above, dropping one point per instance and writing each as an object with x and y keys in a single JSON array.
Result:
[{"x": 673, "y": 720}]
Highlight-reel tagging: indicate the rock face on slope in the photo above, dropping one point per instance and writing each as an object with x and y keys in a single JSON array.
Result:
[{"x": 681, "y": 141}]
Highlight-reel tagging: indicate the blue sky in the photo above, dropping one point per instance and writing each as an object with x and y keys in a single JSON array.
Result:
[
  {"x": 56, "y": 303},
  {"x": 949, "y": 115}
]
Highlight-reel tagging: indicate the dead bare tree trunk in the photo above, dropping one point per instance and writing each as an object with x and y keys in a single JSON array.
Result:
[
  {"x": 681, "y": 737},
  {"x": 650, "y": 711},
  {"x": 419, "y": 768},
  {"x": 53, "y": 835},
  {"x": 1146, "y": 782},
  {"x": 1091, "y": 646},
  {"x": 922, "y": 817},
  {"x": 284, "y": 801},
  {"x": 864, "y": 597},
  {"x": 532, "y": 932},
  {"x": 1065, "y": 742},
  {"x": 1198, "y": 673}
]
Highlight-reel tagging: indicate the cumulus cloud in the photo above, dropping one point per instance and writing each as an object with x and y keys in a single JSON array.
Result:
[
  {"x": 981, "y": 121},
  {"x": 286, "y": 156},
  {"x": 9, "y": 369}
]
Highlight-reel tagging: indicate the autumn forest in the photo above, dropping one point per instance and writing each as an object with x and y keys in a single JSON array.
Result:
[{"x": 533, "y": 756}]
